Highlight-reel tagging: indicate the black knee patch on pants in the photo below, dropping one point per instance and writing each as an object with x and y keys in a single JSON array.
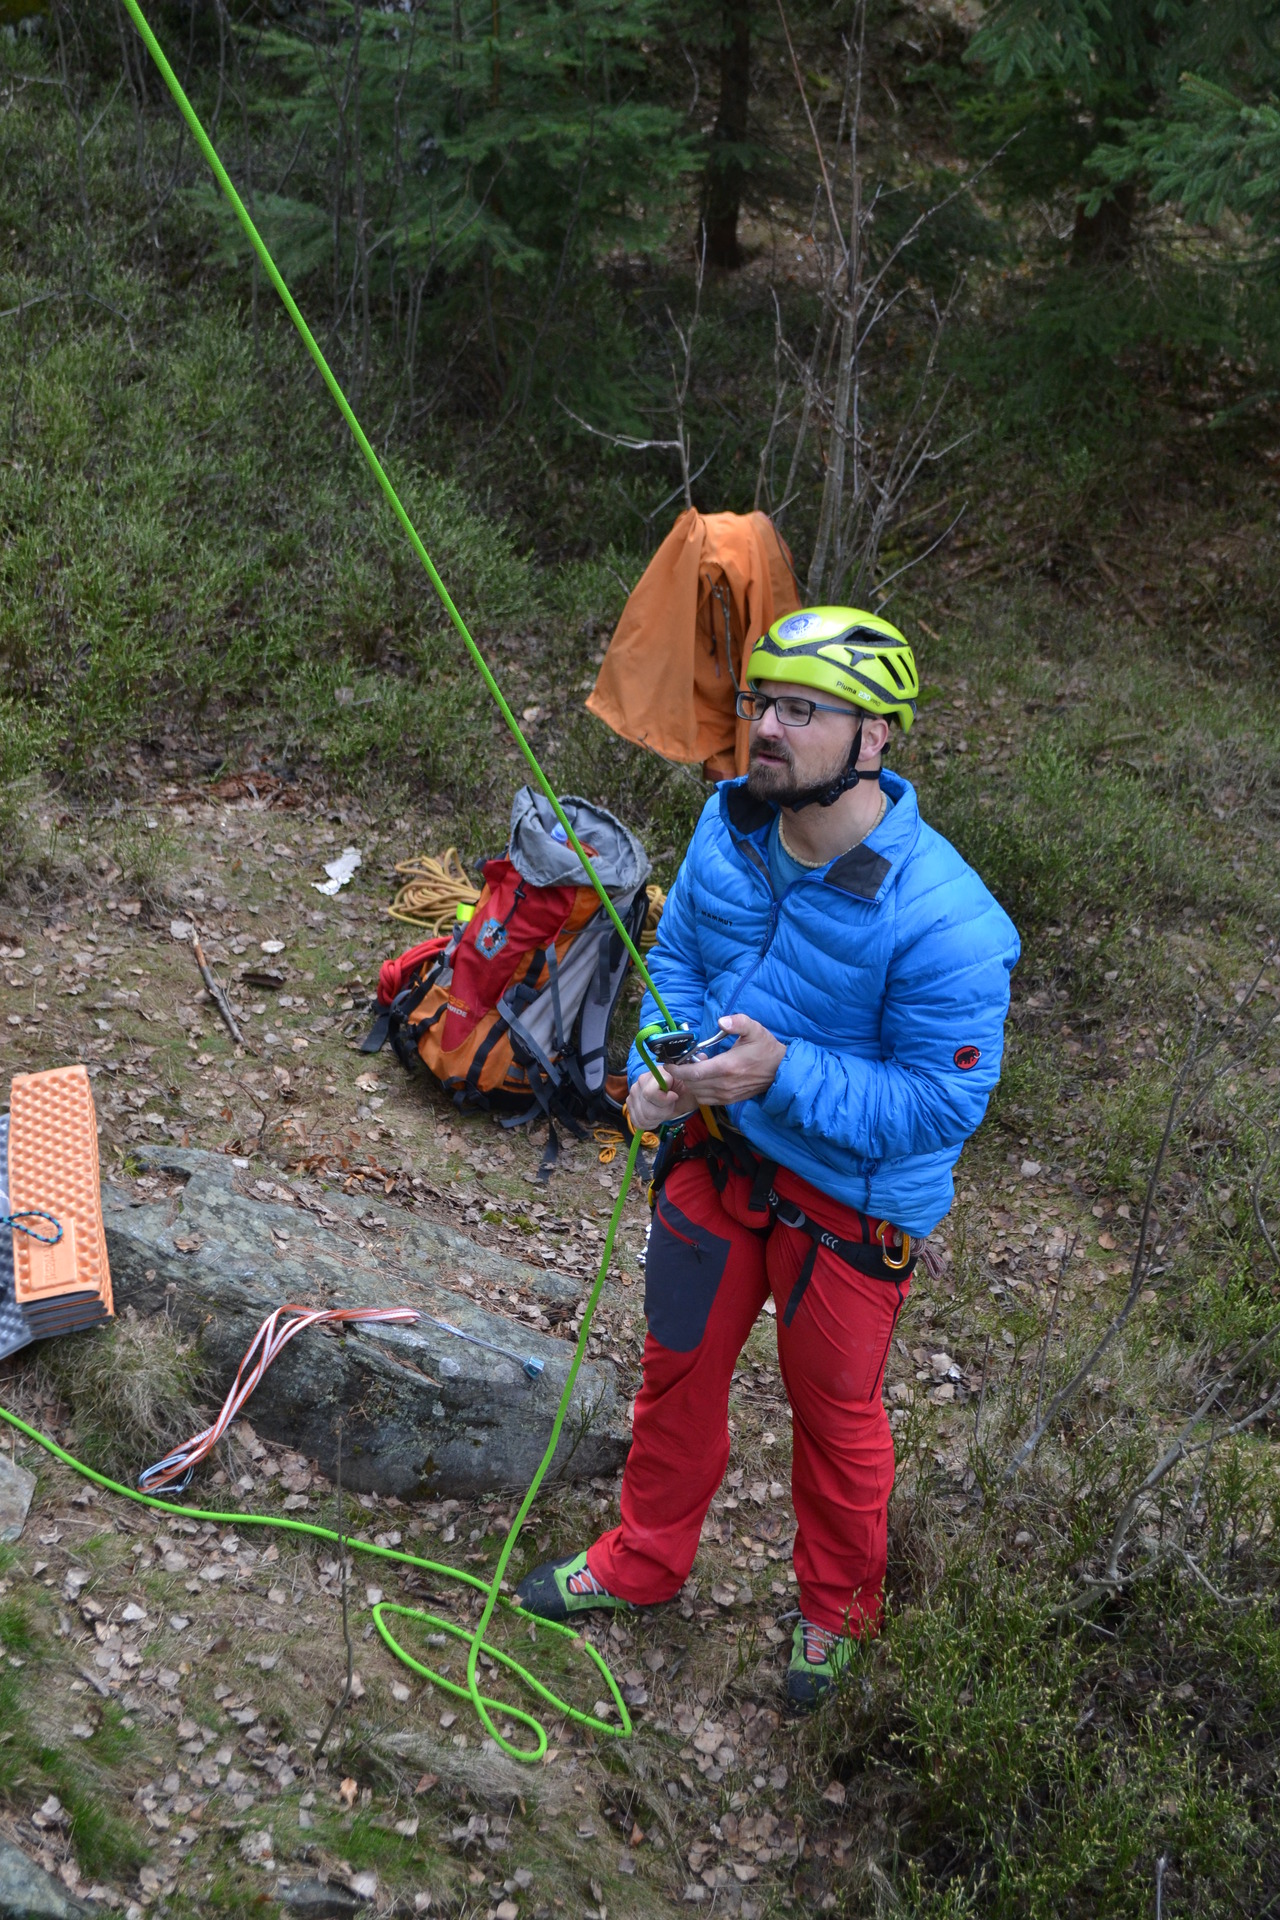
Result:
[{"x": 682, "y": 1275}]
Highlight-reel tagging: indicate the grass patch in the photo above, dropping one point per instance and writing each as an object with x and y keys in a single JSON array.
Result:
[
  {"x": 1032, "y": 1765},
  {"x": 104, "y": 1842},
  {"x": 115, "y": 1739},
  {"x": 17, "y": 1629},
  {"x": 135, "y": 1386}
]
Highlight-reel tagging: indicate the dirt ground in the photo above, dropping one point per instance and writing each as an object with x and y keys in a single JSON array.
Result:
[{"x": 179, "y": 1674}]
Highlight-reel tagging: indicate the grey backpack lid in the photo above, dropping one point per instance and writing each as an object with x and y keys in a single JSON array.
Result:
[{"x": 620, "y": 861}]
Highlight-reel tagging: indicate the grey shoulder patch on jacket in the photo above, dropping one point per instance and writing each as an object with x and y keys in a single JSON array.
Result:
[
  {"x": 859, "y": 872},
  {"x": 746, "y": 813}
]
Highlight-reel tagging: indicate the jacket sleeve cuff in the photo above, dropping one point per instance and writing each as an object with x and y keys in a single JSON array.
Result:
[{"x": 793, "y": 1069}]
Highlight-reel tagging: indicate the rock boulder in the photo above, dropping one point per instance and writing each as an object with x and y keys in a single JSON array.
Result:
[
  {"x": 27, "y": 1892},
  {"x": 422, "y": 1412}
]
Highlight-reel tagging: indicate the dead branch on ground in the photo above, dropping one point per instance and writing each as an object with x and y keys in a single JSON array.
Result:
[
  {"x": 343, "y": 1698},
  {"x": 218, "y": 995}
]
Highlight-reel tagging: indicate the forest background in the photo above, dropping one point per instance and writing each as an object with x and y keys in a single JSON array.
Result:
[{"x": 983, "y": 306}]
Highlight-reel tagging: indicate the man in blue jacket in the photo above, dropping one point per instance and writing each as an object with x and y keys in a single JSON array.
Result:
[{"x": 855, "y": 973}]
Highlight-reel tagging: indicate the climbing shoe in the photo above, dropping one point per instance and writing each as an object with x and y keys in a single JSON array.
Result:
[
  {"x": 559, "y": 1589},
  {"x": 818, "y": 1658}
]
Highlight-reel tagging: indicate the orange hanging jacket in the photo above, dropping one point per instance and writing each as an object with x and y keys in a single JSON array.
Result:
[{"x": 673, "y": 668}]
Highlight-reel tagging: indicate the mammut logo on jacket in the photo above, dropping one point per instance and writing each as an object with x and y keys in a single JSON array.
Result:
[{"x": 966, "y": 1057}]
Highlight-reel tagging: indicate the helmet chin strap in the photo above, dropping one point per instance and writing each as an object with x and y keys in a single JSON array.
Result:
[{"x": 826, "y": 796}]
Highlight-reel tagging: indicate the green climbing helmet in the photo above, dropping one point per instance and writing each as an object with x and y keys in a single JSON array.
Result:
[{"x": 845, "y": 651}]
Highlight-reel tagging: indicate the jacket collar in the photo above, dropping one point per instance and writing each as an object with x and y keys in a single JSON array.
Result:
[{"x": 867, "y": 869}]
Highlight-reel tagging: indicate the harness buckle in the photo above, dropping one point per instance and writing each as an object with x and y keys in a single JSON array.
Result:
[{"x": 788, "y": 1212}]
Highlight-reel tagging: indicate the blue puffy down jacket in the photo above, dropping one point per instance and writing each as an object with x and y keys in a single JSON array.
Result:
[{"x": 887, "y": 974}]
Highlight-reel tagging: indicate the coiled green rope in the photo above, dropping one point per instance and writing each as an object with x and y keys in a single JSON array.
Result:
[
  {"x": 492, "y": 1589},
  {"x": 476, "y": 1643}
]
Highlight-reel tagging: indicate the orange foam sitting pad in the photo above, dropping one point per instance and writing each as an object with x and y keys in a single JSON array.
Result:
[{"x": 53, "y": 1167}]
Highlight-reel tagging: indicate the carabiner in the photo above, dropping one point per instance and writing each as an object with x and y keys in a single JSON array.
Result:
[
  {"x": 894, "y": 1266},
  {"x": 647, "y": 1033}
]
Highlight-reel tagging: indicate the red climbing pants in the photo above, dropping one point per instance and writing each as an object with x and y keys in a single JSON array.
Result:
[{"x": 712, "y": 1264}]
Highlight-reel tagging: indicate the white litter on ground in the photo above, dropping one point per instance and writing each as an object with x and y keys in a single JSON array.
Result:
[{"x": 339, "y": 871}]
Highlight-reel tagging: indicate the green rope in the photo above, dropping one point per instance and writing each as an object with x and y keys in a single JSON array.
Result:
[
  {"x": 343, "y": 405},
  {"x": 492, "y": 1588}
]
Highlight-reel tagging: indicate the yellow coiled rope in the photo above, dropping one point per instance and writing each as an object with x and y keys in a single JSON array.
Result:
[{"x": 433, "y": 891}]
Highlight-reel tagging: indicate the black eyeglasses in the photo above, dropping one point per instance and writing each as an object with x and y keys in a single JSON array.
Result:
[{"x": 792, "y": 711}]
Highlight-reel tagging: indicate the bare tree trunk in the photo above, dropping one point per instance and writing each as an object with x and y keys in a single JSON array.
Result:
[
  {"x": 870, "y": 461},
  {"x": 827, "y": 565},
  {"x": 455, "y": 60},
  {"x": 1106, "y": 235},
  {"x": 72, "y": 98},
  {"x": 833, "y": 478},
  {"x": 726, "y": 169},
  {"x": 363, "y": 264}
]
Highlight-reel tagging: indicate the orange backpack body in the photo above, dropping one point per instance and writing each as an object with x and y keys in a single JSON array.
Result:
[{"x": 513, "y": 1008}]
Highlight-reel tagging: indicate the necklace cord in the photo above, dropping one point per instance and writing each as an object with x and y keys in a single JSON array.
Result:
[{"x": 800, "y": 860}]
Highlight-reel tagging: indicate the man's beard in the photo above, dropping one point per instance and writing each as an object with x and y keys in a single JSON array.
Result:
[{"x": 777, "y": 783}]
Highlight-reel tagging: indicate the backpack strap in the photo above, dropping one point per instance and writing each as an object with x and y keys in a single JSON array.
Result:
[
  {"x": 558, "y": 1035},
  {"x": 376, "y": 1038},
  {"x": 390, "y": 1021},
  {"x": 533, "y": 1054},
  {"x": 470, "y": 1087},
  {"x": 613, "y": 963}
]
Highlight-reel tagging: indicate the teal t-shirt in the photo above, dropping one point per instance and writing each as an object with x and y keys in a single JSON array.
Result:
[{"x": 783, "y": 870}]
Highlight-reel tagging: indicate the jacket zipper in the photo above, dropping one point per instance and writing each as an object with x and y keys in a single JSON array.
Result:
[{"x": 775, "y": 905}]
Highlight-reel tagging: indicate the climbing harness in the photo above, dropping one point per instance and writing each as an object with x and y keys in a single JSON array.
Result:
[
  {"x": 882, "y": 1252},
  {"x": 473, "y": 1638}
]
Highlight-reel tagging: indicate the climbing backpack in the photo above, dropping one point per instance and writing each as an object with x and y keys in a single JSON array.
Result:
[{"x": 511, "y": 1009}]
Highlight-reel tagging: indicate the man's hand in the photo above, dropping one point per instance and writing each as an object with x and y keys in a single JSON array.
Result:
[
  {"x": 742, "y": 1073},
  {"x": 649, "y": 1107}
]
